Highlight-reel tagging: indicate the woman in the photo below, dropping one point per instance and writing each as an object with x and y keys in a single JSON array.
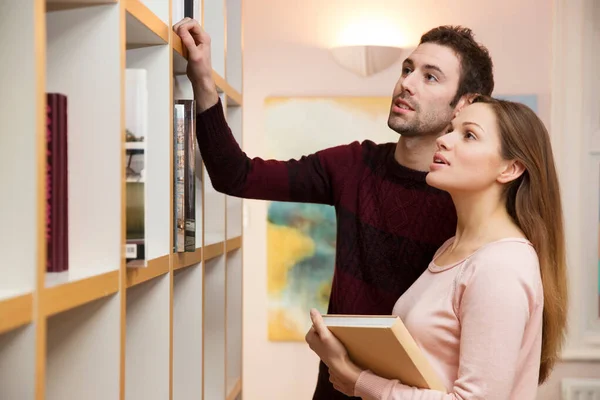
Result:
[{"x": 490, "y": 310}]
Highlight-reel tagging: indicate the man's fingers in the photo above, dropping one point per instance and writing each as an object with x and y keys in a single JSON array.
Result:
[
  {"x": 192, "y": 27},
  {"x": 179, "y": 23},
  {"x": 198, "y": 33}
]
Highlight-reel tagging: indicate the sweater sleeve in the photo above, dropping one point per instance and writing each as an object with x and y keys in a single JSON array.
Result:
[
  {"x": 314, "y": 178},
  {"x": 495, "y": 297}
]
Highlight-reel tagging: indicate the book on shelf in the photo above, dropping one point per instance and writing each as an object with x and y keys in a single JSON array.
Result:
[
  {"x": 184, "y": 190},
  {"x": 136, "y": 104},
  {"x": 57, "y": 182},
  {"x": 186, "y": 8},
  {"x": 383, "y": 345}
]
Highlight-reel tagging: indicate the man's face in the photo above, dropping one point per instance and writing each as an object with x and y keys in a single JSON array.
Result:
[{"x": 422, "y": 96}]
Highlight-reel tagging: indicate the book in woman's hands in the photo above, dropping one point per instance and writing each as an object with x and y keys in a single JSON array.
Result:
[{"x": 383, "y": 345}]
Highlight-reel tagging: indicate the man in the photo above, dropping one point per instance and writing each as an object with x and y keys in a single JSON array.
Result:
[{"x": 389, "y": 221}]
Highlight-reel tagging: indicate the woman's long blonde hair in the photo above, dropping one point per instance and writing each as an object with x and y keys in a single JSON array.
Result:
[{"x": 533, "y": 200}]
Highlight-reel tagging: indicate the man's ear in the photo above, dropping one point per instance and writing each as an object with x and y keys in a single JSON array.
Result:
[
  {"x": 512, "y": 171},
  {"x": 464, "y": 101}
]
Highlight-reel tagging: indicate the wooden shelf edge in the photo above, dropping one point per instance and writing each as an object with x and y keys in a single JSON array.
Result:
[
  {"x": 235, "y": 97},
  {"x": 142, "y": 13},
  {"x": 61, "y": 5},
  {"x": 15, "y": 312},
  {"x": 178, "y": 45},
  {"x": 184, "y": 260},
  {"x": 237, "y": 389},
  {"x": 233, "y": 244},
  {"x": 213, "y": 250},
  {"x": 69, "y": 295},
  {"x": 156, "y": 267}
]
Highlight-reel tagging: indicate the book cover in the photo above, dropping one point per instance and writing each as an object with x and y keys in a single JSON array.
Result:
[
  {"x": 189, "y": 193},
  {"x": 383, "y": 345},
  {"x": 179, "y": 178}
]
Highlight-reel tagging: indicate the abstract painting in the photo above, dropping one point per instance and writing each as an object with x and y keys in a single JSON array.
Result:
[{"x": 301, "y": 238}]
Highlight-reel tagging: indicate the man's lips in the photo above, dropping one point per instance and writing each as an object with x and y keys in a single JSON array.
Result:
[{"x": 402, "y": 106}]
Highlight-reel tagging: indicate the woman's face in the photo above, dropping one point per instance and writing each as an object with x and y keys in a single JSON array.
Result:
[{"x": 468, "y": 158}]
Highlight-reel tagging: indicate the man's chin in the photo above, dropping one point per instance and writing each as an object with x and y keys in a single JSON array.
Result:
[{"x": 402, "y": 127}]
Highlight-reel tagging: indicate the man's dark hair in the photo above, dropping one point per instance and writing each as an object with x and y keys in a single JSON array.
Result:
[{"x": 476, "y": 67}]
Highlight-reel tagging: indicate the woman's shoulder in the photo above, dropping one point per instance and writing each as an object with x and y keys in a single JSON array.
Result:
[{"x": 505, "y": 263}]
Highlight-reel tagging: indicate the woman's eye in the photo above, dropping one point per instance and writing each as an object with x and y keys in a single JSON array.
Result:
[
  {"x": 431, "y": 78},
  {"x": 469, "y": 135}
]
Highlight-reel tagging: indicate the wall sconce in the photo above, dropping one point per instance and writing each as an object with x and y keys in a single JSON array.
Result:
[{"x": 366, "y": 60}]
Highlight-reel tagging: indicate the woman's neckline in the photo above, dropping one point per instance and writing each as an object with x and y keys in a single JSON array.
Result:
[{"x": 434, "y": 267}]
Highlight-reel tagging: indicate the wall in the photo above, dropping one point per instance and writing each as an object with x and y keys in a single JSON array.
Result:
[{"x": 285, "y": 53}]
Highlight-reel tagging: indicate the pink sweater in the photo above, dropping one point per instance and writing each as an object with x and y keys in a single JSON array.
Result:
[{"x": 479, "y": 322}]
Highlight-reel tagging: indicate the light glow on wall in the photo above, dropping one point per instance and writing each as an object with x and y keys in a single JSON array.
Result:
[{"x": 364, "y": 29}]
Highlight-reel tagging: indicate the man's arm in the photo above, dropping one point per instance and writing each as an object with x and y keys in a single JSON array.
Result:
[{"x": 307, "y": 179}]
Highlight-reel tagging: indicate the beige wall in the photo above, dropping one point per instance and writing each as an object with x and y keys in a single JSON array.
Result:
[{"x": 286, "y": 53}]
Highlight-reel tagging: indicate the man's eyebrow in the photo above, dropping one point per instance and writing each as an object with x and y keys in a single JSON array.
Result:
[
  {"x": 435, "y": 68},
  {"x": 410, "y": 63}
]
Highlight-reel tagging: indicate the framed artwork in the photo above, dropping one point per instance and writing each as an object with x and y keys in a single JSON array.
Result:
[{"x": 301, "y": 238}]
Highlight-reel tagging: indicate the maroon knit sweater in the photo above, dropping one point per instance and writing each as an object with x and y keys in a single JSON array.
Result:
[{"x": 389, "y": 221}]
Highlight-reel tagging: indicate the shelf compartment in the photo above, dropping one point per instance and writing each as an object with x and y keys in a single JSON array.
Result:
[
  {"x": 143, "y": 27},
  {"x": 71, "y": 294},
  {"x": 235, "y": 391},
  {"x": 214, "y": 206},
  {"x": 233, "y": 96},
  {"x": 187, "y": 333},
  {"x": 234, "y": 315},
  {"x": 187, "y": 259},
  {"x": 148, "y": 201},
  {"x": 182, "y": 90},
  {"x": 157, "y": 267},
  {"x": 160, "y": 8},
  {"x": 59, "y": 5},
  {"x": 214, "y": 25},
  {"x": 22, "y": 150},
  {"x": 83, "y": 352},
  {"x": 214, "y": 328},
  {"x": 147, "y": 340},
  {"x": 17, "y": 364},
  {"x": 15, "y": 312},
  {"x": 84, "y": 63},
  {"x": 234, "y": 44}
]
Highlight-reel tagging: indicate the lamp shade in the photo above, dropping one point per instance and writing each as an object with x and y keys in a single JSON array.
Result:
[{"x": 366, "y": 60}]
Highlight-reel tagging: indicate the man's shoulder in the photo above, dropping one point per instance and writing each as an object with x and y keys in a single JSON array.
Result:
[{"x": 365, "y": 151}]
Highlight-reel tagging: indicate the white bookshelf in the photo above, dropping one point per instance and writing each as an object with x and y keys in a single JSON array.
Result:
[
  {"x": 17, "y": 363},
  {"x": 81, "y": 351},
  {"x": 18, "y": 169},
  {"x": 83, "y": 62},
  {"x": 215, "y": 24},
  {"x": 187, "y": 332},
  {"x": 214, "y": 328},
  {"x": 171, "y": 329},
  {"x": 234, "y": 317},
  {"x": 147, "y": 344}
]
